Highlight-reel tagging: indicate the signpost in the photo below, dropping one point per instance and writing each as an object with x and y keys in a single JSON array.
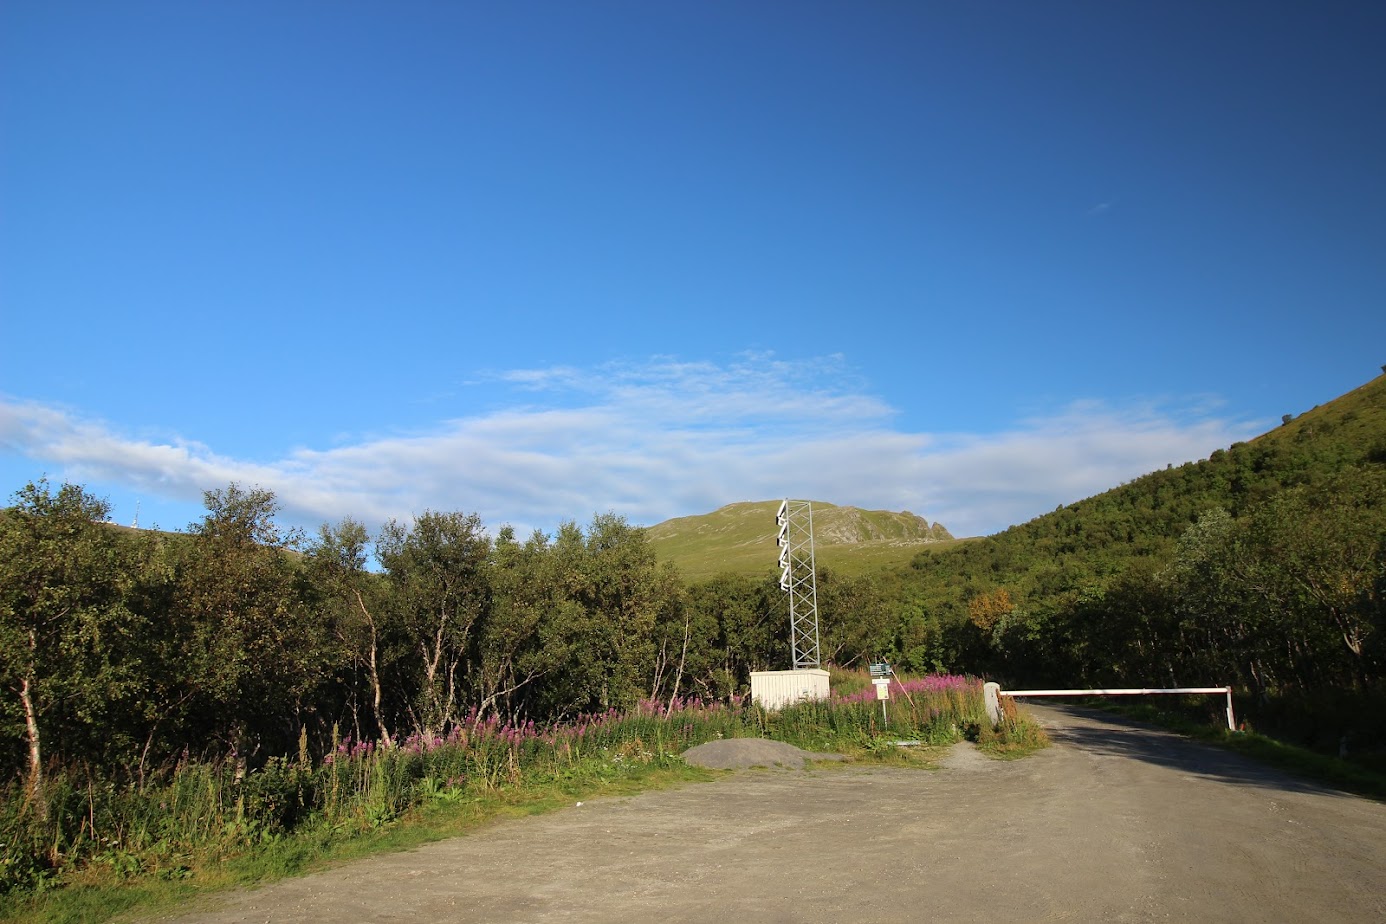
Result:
[{"x": 880, "y": 678}]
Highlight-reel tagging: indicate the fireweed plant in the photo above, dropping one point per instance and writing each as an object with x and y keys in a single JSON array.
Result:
[
  {"x": 197, "y": 812},
  {"x": 935, "y": 710}
]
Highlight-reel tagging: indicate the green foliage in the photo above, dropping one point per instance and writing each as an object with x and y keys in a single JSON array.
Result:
[
  {"x": 742, "y": 626},
  {"x": 199, "y": 813},
  {"x": 439, "y": 593},
  {"x": 1016, "y": 735},
  {"x": 1260, "y": 566},
  {"x": 197, "y": 816},
  {"x": 67, "y": 636},
  {"x": 239, "y": 608},
  {"x": 617, "y": 594},
  {"x": 933, "y": 713}
]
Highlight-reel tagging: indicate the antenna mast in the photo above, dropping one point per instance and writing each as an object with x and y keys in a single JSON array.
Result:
[{"x": 797, "y": 578}]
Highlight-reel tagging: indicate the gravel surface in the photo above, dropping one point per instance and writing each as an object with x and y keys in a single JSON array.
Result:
[
  {"x": 745, "y": 753},
  {"x": 1116, "y": 822}
]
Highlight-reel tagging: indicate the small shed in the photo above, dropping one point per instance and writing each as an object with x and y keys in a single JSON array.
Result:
[{"x": 777, "y": 689}]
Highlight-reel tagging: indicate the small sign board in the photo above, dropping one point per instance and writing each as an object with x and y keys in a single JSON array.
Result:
[
  {"x": 882, "y": 688},
  {"x": 879, "y": 670}
]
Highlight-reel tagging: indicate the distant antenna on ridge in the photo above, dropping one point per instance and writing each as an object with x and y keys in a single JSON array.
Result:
[
  {"x": 798, "y": 579},
  {"x": 136, "y": 524}
]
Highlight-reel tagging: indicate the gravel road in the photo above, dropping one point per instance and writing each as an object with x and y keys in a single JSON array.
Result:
[{"x": 1116, "y": 822}]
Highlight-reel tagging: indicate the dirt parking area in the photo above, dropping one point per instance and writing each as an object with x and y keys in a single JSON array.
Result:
[{"x": 1116, "y": 822}]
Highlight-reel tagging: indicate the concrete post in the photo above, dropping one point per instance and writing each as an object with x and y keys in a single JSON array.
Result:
[{"x": 991, "y": 693}]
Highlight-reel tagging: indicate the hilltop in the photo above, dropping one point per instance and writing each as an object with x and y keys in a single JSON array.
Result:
[{"x": 740, "y": 538}]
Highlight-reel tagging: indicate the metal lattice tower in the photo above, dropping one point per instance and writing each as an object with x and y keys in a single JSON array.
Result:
[{"x": 795, "y": 522}]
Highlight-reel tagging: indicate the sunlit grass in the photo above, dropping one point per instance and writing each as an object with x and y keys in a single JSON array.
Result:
[
  {"x": 95, "y": 894},
  {"x": 105, "y": 849},
  {"x": 738, "y": 539}
]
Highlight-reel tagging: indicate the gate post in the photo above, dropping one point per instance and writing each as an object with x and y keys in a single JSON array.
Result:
[{"x": 991, "y": 693}]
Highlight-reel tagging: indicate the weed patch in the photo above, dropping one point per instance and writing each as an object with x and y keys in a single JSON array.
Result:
[{"x": 95, "y": 849}]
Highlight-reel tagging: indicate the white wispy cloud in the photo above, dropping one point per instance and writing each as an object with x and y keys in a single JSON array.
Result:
[{"x": 654, "y": 440}]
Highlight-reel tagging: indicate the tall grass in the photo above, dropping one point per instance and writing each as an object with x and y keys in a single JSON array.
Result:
[
  {"x": 194, "y": 813},
  {"x": 936, "y": 710},
  {"x": 199, "y": 810}
]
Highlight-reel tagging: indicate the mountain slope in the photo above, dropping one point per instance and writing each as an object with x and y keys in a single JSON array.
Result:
[
  {"x": 740, "y": 538},
  {"x": 1148, "y": 514},
  {"x": 1090, "y": 540},
  {"x": 1271, "y": 588}
]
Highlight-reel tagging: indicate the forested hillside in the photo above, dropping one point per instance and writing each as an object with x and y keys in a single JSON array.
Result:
[{"x": 1263, "y": 566}]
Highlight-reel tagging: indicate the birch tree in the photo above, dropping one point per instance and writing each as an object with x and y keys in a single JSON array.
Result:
[
  {"x": 64, "y": 628},
  {"x": 439, "y": 593}
]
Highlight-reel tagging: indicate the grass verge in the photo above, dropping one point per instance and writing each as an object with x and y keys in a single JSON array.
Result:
[
  {"x": 99, "y": 851},
  {"x": 99, "y": 894}
]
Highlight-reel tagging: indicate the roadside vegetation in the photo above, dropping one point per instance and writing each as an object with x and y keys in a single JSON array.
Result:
[{"x": 93, "y": 849}]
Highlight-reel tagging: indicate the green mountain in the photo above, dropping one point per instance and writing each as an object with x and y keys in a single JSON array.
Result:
[
  {"x": 740, "y": 539},
  {"x": 1083, "y": 542},
  {"x": 1262, "y": 566}
]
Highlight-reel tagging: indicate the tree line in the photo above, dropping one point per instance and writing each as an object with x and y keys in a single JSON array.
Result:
[
  {"x": 122, "y": 650},
  {"x": 1289, "y": 597}
]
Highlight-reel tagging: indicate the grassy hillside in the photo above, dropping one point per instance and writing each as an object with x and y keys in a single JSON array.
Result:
[{"x": 740, "y": 539}]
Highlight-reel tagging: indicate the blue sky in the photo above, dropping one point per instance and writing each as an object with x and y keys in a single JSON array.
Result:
[{"x": 544, "y": 260}]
